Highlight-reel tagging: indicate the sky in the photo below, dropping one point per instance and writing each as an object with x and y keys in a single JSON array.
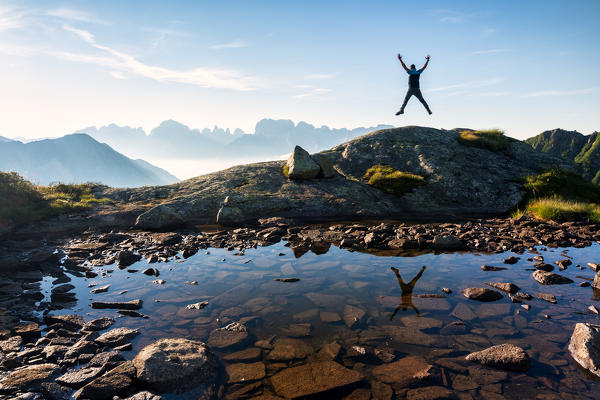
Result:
[{"x": 522, "y": 66}]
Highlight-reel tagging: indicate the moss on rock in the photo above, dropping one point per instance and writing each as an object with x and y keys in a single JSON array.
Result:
[{"x": 391, "y": 180}]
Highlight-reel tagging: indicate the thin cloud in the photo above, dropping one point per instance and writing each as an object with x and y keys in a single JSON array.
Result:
[
  {"x": 490, "y": 51},
  {"x": 202, "y": 76},
  {"x": 11, "y": 18},
  {"x": 316, "y": 93},
  {"x": 468, "y": 85},
  {"x": 117, "y": 75},
  {"x": 555, "y": 93},
  {"x": 489, "y": 94},
  {"x": 71, "y": 14},
  {"x": 450, "y": 16},
  {"x": 318, "y": 76},
  {"x": 236, "y": 44},
  {"x": 488, "y": 31}
]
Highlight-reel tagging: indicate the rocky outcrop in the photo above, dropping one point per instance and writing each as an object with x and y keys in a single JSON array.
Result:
[
  {"x": 460, "y": 181},
  {"x": 300, "y": 165},
  {"x": 585, "y": 346},
  {"x": 503, "y": 356},
  {"x": 175, "y": 365}
]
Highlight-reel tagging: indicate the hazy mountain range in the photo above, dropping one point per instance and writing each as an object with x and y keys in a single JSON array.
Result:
[
  {"x": 583, "y": 150},
  {"x": 77, "y": 158},
  {"x": 271, "y": 138}
]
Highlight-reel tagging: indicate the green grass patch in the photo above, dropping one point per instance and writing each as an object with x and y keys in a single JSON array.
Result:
[
  {"x": 489, "y": 139},
  {"x": 391, "y": 180},
  {"x": 21, "y": 201},
  {"x": 560, "y": 210}
]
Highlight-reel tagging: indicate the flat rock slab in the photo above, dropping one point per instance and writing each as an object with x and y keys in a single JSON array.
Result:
[
  {"x": 251, "y": 354},
  {"x": 99, "y": 324},
  {"x": 585, "y": 346},
  {"x": 313, "y": 378},
  {"x": 546, "y": 297},
  {"x": 242, "y": 372},
  {"x": 550, "y": 278},
  {"x": 175, "y": 365},
  {"x": 482, "y": 294},
  {"x": 503, "y": 356},
  {"x": 223, "y": 338},
  {"x": 287, "y": 349},
  {"x": 108, "y": 385},
  {"x": 408, "y": 371},
  {"x": 29, "y": 378},
  {"x": 117, "y": 337},
  {"x": 432, "y": 393},
  {"x": 80, "y": 377},
  {"x": 119, "y": 305},
  {"x": 504, "y": 286}
]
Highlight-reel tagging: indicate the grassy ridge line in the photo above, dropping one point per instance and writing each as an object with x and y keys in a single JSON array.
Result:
[
  {"x": 489, "y": 139},
  {"x": 22, "y": 201}
]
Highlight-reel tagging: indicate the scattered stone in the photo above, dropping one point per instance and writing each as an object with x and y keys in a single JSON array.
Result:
[
  {"x": 27, "y": 331},
  {"x": 550, "y": 298},
  {"x": 80, "y": 377},
  {"x": 151, "y": 272},
  {"x": 585, "y": 284},
  {"x": 117, "y": 337},
  {"x": 447, "y": 242},
  {"x": 527, "y": 307},
  {"x": 584, "y": 346},
  {"x": 491, "y": 268},
  {"x": 446, "y": 290},
  {"x": 232, "y": 335},
  {"x": 191, "y": 282},
  {"x": 242, "y": 372},
  {"x": 29, "y": 378},
  {"x": 125, "y": 258},
  {"x": 123, "y": 305},
  {"x": 197, "y": 306},
  {"x": 101, "y": 289},
  {"x": 594, "y": 267},
  {"x": 544, "y": 267},
  {"x": 594, "y": 309},
  {"x": 312, "y": 379},
  {"x": 511, "y": 260},
  {"x": 107, "y": 360},
  {"x": 431, "y": 393},
  {"x": 503, "y": 356},
  {"x": 12, "y": 344},
  {"x": 175, "y": 365},
  {"x": 108, "y": 385},
  {"x": 563, "y": 264},
  {"x": 287, "y": 279},
  {"x": 504, "y": 286},
  {"x": 481, "y": 294},
  {"x": 549, "y": 278},
  {"x": 132, "y": 313},
  {"x": 69, "y": 322},
  {"x": 407, "y": 371},
  {"x": 454, "y": 328},
  {"x": 159, "y": 281},
  {"x": 54, "y": 391}
]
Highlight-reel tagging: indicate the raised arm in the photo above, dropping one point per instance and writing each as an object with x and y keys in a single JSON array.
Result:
[
  {"x": 402, "y": 62},
  {"x": 426, "y": 62}
]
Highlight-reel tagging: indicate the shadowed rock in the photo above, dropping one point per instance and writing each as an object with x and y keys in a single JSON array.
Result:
[
  {"x": 503, "y": 356},
  {"x": 549, "y": 278},
  {"x": 481, "y": 294},
  {"x": 585, "y": 346},
  {"x": 300, "y": 165}
]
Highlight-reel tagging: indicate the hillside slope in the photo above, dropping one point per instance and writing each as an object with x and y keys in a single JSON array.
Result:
[
  {"x": 78, "y": 158},
  {"x": 584, "y": 150}
]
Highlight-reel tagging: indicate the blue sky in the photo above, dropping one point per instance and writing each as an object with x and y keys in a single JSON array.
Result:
[{"x": 524, "y": 66}]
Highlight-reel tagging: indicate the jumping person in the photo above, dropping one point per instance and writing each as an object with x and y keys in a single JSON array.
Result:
[
  {"x": 407, "y": 289},
  {"x": 413, "y": 84}
]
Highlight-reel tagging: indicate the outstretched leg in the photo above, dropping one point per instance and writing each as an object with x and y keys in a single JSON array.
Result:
[
  {"x": 409, "y": 94},
  {"x": 419, "y": 96},
  {"x": 416, "y": 278}
]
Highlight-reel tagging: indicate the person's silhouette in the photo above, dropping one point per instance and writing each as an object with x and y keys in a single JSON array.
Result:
[
  {"x": 413, "y": 84},
  {"x": 407, "y": 289}
]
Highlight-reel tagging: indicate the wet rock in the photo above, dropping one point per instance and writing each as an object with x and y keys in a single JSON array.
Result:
[
  {"x": 27, "y": 331},
  {"x": 117, "y": 337},
  {"x": 405, "y": 244},
  {"x": 481, "y": 294},
  {"x": 448, "y": 242},
  {"x": 408, "y": 371},
  {"x": 544, "y": 267},
  {"x": 108, "y": 385},
  {"x": 431, "y": 393},
  {"x": 594, "y": 267},
  {"x": 101, "y": 289},
  {"x": 594, "y": 309},
  {"x": 242, "y": 372},
  {"x": 159, "y": 281},
  {"x": 80, "y": 377},
  {"x": 287, "y": 349},
  {"x": 596, "y": 282},
  {"x": 232, "y": 335},
  {"x": 167, "y": 239},
  {"x": 563, "y": 264},
  {"x": 330, "y": 351},
  {"x": 29, "y": 378},
  {"x": 463, "y": 312},
  {"x": 549, "y": 278},
  {"x": 584, "y": 346},
  {"x": 144, "y": 395},
  {"x": 491, "y": 268},
  {"x": 328, "y": 316},
  {"x": 352, "y": 315},
  {"x": 82, "y": 346},
  {"x": 132, "y": 313},
  {"x": 300, "y": 165},
  {"x": 546, "y": 297},
  {"x": 247, "y": 355},
  {"x": 151, "y": 272},
  {"x": 123, "y": 305},
  {"x": 454, "y": 328},
  {"x": 175, "y": 365},
  {"x": 287, "y": 279},
  {"x": 297, "y": 330},
  {"x": 107, "y": 360},
  {"x": 504, "y": 286},
  {"x": 446, "y": 290},
  {"x": 70, "y": 322},
  {"x": 504, "y": 356},
  {"x": 125, "y": 258},
  {"x": 54, "y": 391},
  {"x": 511, "y": 260},
  {"x": 312, "y": 379}
]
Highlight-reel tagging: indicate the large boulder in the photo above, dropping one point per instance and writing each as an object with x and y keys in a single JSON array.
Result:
[
  {"x": 29, "y": 378},
  {"x": 585, "y": 346},
  {"x": 300, "y": 165},
  {"x": 175, "y": 365},
  {"x": 159, "y": 217},
  {"x": 503, "y": 356},
  {"x": 325, "y": 165},
  {"x": 230, "y": 212}
]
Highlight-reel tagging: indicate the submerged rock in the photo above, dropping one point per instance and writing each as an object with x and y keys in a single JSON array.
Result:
[
  {"x": 585, "y": 346},
  {"x": 503, "y": 356},
  {"x": 117, "y": 337},
  {"x": 549, "y": 278},
  {"x": 313, "y": 378},
  {"x": 123, "y": 305},
  {"x": 232, "y": 335},
  {"x": 482, "y": 294},
  {"x": 408, "y": 371},
  {"x": 175, "y": 365}
]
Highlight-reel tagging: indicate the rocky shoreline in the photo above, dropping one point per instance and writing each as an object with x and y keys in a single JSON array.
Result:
[{"x": 58, "y": 357}]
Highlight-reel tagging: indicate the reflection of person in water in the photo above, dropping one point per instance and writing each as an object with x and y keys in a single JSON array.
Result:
[{"x": 407, "y": 289}]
